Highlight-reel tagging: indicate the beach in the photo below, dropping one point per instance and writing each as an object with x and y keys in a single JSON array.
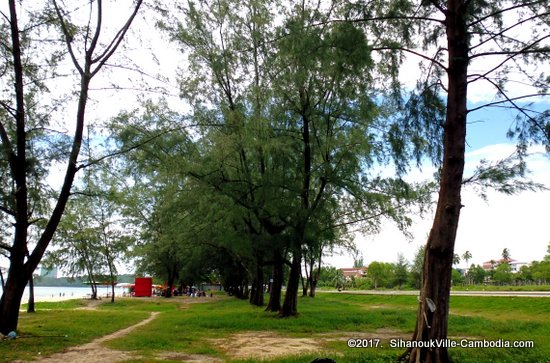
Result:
[{"x": 60, "y": 293}]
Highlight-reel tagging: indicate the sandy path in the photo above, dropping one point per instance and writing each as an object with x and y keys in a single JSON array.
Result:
[{"x": 94, "y": 352}]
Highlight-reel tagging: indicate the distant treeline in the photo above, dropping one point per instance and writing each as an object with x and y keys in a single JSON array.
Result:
[{"x": 75, "y": 281}]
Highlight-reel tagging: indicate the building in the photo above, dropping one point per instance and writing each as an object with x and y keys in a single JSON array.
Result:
[
  {"x": 354, "y": 272},
  {"x": 515, "y": 266}
]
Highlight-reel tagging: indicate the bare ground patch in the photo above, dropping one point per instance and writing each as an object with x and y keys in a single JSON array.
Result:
[
  {"x": 182, "y": 357},
  {"x": 269, "y": 345},
  {"x": 265, "y": 345},
  {"x": 95, "y": 352}
]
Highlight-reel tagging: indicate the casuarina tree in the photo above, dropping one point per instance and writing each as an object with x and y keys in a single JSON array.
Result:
[
  {"x": 465, "y": 43},
  {"x": 30, "y": 56}
]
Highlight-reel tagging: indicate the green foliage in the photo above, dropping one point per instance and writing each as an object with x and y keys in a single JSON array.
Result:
[
  {"x": 540, "y": 271},
  {"x": 287, "y": 130},
  {"x": 476, "y": 274},
  {"x": 329, "y": 276},
  {"x": 456, "y": 277},
  {"x": 415, "y": 277},
  {"x": 381, "y": 274},
  {"x": 401, "y": 274},
  {"x": 503, "y": 273}
]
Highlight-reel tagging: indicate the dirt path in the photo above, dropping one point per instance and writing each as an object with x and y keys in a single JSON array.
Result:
[{"x": 94, "y": 352}]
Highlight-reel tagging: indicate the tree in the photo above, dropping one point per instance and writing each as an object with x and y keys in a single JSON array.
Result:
[
  {"x": 357, "y": 263},
  {"x": 541, "y": 271},
  {"x": 456, "y": 34},
  {"x": 456, "y": 259},
  {"x": 503, "y": 274},
  {"x": 506, "y": 255},
  {"x": 466, "y": 256},
  {"x": 77, "y": 242},
  {"x": 415, "y": 274},
  {"x": 17, "y": 130},
  {"x": 339, "y": 280},
  {"x": 476, "y": 274},
  {"x": 457, "y": 277},
  {"x": 400, "y": 271},
  {"x": 381, "y": 274}
]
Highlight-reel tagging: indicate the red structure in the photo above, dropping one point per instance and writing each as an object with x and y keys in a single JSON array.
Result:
[{"x": 143, "y": 287}]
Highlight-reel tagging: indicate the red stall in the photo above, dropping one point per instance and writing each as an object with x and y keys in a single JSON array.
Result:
[{"x": 143, "y": 287}]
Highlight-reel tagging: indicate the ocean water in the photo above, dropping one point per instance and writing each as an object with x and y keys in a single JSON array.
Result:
[{"x": 43, "y": 293}]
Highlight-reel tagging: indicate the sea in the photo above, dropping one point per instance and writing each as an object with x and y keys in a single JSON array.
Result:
[{"x": 49, "y": 293}]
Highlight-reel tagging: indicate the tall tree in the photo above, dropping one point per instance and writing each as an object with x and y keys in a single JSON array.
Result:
[
  {"x": 77, "y": 244},
  {"x": 457, "y": 34},
  {"x": 327, "y": 101},
  {"x": 466, "y": 256},
  {"x": 400, "y": 271},
  {"x": 506, "y": 255},
  {"x": 17, "y": 128}
]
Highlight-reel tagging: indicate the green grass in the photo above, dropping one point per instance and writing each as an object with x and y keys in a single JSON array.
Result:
[
  {"x": 57, "y": 325},
  {"x": 191, "y": 329},
  {"x": 501, "y": 288}
]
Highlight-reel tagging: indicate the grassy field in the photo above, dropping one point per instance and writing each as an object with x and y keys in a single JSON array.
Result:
[{"x": 228, "y": 329}]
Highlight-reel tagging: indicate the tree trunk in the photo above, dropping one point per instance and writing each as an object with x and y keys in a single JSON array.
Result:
[
  {"x": 170, "y": 283},
  {"x": 290, "y": 304},
  {"x": 257, "y": 294},
  {"x": 315, "y": 276},
  {"x": 274, "y": 303},
  {"x": 94, "y": 291},
  {"x": 11, "y": 298},
  {"x": 433, "y": 311},
  {"x": 113, "y": 282},
  {"x": 30, "y": 307},
  {"x": 305, "y": 282}
]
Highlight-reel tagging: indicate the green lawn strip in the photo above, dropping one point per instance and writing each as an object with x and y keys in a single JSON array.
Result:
[
  {"x": 501, "y": 288},
  {"x": 57, "y": 305},
  {"x": 502, "y": 307},
  {"x": 158, "y": 304},
  {"x": 49, "y": 331}
]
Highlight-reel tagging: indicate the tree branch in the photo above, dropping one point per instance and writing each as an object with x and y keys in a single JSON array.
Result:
[
  {"x": 520, "y": 5},
  {"x": 124, "y": 151},
  {"x": 112, "y": 47},
  {"x": 6, "y": 247},
  {"x": 506, "y": 101},
  {"x": 7, "y": 211},
  {"x": 413, "y": 52},
  {"x": 68, "y": 38},
  {"x": 511, "y": 101}
]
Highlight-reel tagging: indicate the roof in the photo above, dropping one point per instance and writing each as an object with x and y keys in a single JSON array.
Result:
[
  {"x": 354, "y": 271},
  {"x": 491, "y": 263}
]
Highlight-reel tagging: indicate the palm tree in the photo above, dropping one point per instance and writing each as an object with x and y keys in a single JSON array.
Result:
[
  {"x": 506, "y": 255},
  {"x": 456, "y": 259},
  {"x": 466, "y": 257}
]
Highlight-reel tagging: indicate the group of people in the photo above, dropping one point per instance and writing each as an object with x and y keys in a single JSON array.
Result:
[{"x": 192, "y": 292}]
